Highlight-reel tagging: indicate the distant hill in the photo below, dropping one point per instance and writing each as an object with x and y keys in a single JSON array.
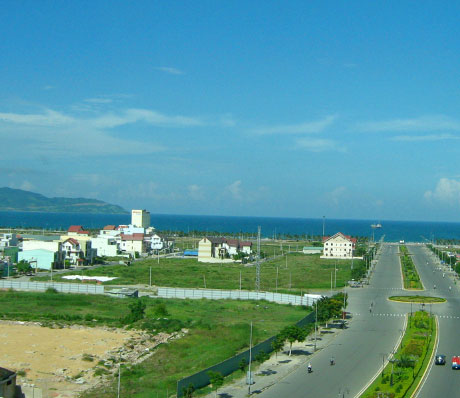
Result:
[{"x": 19, "y": 200}]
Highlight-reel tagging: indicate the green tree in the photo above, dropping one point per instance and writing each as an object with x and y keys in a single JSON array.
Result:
[
  {"x": 242, "y": 365},
  {"x": 292, "y": 334},
  {"x": 216, "y": 379},
  {"x": 24, "y": 267},
  {"x": 187, "y": 392},
  {"x": 137, "y": 311},
  {"x": 278, "y": 344}
]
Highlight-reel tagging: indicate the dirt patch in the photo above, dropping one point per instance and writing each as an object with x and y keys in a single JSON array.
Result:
[{"x": 65, "y": 361}]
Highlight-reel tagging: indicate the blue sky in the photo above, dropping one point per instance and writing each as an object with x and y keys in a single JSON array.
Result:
[{"x": 264, "y": 108}]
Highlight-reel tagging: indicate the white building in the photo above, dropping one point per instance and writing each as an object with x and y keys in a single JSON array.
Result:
[
  {"x": 338, "y": 246},
  {"x": 106, "y": 245},
  {"x": 73, "y": 251},
  {"x": 7, "y": 240},
  {"x": 133, "y": 243},
  {"x": 220, "y": 249},
  {"x": 140, "y": 218}
]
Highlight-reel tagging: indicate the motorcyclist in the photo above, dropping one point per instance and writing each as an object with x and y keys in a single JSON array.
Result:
[
  {"x": 309, "y": 367},
  {"x": 434, "y": 287},
  {"x": 332, "y": 361}
]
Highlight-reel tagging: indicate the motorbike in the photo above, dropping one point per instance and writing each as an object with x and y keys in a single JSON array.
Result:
[
  {"x": 309, "y": 369},
  {"x": 332, "y": 361}
]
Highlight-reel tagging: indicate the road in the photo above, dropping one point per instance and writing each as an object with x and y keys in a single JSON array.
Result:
[
  {"x": 360, "y": 350},
  {"x": 441, "y": 381}
]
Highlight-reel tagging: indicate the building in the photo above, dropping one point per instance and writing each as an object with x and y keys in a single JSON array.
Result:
[
  {"x": 7, "y": 240},
  {"x": 73, "y": 251},
  {"x": 7, "y": 383},
  {"x": 84, "y": 239},
  {"x": 312, "y": 250},
  {"x": 41, "y": 258},
  {"x": 140, "y": 218},
  {"x": 338, "y": 246},
  {"x": 211, "y": 250},
  {"x": 133, "y": 244},
  {"x": 106, "y": 245},
  {"x": 221, "y": 249}
]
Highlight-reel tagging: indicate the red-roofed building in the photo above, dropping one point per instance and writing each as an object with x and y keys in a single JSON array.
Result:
[
  {"x": 338, "y": 246},
  {"x": 72, "y": 250},
  {"x": 77, "y": 230},
  {"x": 133, "y": 243}
]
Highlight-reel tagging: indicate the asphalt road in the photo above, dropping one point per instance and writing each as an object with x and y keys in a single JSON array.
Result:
[
  {"x": 441, "y": 381},
  {"x": 360, "y": 350}
]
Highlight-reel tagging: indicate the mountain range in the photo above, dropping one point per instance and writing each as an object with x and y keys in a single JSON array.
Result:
[{"x": 20, "y": 200}]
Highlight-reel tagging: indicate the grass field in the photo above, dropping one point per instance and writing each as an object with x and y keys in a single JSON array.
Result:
[
  {"x": 417, "y": 299},
  {"x": 294, "y": 273},
  {"x": 217, "y": 330}
]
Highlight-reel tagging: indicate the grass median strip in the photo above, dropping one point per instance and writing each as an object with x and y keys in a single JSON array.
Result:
[
  {"x": 410, "y": 275},
  {"x": 418, "y": 299},
  {"x": 406, "y": 367}
]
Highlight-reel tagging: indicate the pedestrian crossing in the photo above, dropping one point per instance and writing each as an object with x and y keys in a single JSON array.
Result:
[{"x": 401, "y": 315}]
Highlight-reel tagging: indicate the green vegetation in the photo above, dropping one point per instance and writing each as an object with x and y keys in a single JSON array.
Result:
[
  {"x": 291, "y": 273},
  {"x": 217, "y": 330},
  {"x": 410, "y": 274},
  {"x": 405, "y": 370},
  {"x": 417, "y": 299}
]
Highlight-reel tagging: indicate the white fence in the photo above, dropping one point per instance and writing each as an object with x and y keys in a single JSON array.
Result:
[
  {"x": 171, "y": 292},
  {"x": 60, "y": 287}
]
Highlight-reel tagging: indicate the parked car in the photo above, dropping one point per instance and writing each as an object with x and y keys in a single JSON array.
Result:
[
  {"x": 440, "y": 359},
  {"x": 455, "y": 362}
]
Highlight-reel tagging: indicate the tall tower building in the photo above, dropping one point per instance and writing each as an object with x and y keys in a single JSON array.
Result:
[{"x": 140, "y": 218}]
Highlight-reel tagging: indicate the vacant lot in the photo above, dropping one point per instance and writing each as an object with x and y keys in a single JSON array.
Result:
[
  {"x": 294, "y": 272},
  {"x": 210, "y": 331},
  {"x": 54, "y": 359}
]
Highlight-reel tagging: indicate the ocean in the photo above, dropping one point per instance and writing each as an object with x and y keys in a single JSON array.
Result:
[{"x": 394, "y": 231}]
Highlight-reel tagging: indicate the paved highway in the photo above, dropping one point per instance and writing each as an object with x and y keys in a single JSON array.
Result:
[
  {"x": 360, "y": 350},
  {"x": 441, "y": 381}
]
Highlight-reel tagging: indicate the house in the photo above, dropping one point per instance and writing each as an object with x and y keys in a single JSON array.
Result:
[
  {"x": 84, "y": 239},
  {"x": 221, "y": 249},
  {"x": 211, "y": 250},
  {"x": 7, "y": 383},
  {"x": 76, "y": 230},
  {"x": 106, "y": 245},
  {"x": 338, "y": 246},
  {"x": 73, "y": 251},
  {"x": 110, "y": 230},
  {"x": 7, "y": 240},
  {"x": 133, "y": 243},
  {"x": 161, "y": 242},
  {"x": 42, "y": 253},
  {"x": 41, "y": 258}
]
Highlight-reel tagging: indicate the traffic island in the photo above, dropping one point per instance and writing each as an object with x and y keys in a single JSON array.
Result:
[
  {"x": 418, "y": 299},
  {"x": 405, "y": 368}
]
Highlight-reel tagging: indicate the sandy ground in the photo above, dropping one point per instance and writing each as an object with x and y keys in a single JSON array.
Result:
[{"x": 52, "y": 358}]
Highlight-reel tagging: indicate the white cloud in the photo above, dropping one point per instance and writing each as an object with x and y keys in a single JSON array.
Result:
[
  {"x": 319, "y": 145},
  {"x": 48, "y": 118},
  {"x": 337, "y": 195},
  {"x": 170, "y": 70},
  {"x": 446, "y": 191},
  {"x": 235, "y": 190},
  {"x": 195, "y": 192},
  {"x": 421, "y": 138},
  {"x": 423, "y": 123},
  {"x": 301, "y": 128}
]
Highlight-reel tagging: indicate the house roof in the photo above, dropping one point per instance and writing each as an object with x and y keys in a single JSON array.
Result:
[
  {"x": 133, "y": 237},
  {"x": 110, "y": 228},
  {"x": 78, "y": 229},
  {"x": 72, "y": 241},
  {"x": 217, "y": 240},
  {"x": 5, "y": 373},
  {"x": 246, "y": 243},
  {"x": 233, "y": 242},
  {"x": 347, "y": 237}
]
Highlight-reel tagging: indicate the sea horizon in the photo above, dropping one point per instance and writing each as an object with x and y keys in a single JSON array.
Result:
[{"x": 392, "y": 230}]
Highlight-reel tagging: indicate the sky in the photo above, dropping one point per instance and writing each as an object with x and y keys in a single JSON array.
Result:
[{"x": 346, "y": 110}]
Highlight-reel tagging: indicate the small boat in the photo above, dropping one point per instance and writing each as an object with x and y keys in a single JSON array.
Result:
[{"x": 376, "y": 225}]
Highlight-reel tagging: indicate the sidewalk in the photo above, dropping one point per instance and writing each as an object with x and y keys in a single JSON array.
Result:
[{"x": 278, "y": 367}]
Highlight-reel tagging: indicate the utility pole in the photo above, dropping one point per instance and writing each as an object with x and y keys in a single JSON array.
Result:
[
  {"x": 276, "y": 283},
  {"x": 258, "y": 261},
  {"x": 250, "y": 359},
  {"x": 316, "y": 319},
  {"x": 324, "y": 220}
]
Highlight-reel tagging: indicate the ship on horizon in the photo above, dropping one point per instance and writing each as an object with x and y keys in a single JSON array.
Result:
[{"x": 378, "y": 225}]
